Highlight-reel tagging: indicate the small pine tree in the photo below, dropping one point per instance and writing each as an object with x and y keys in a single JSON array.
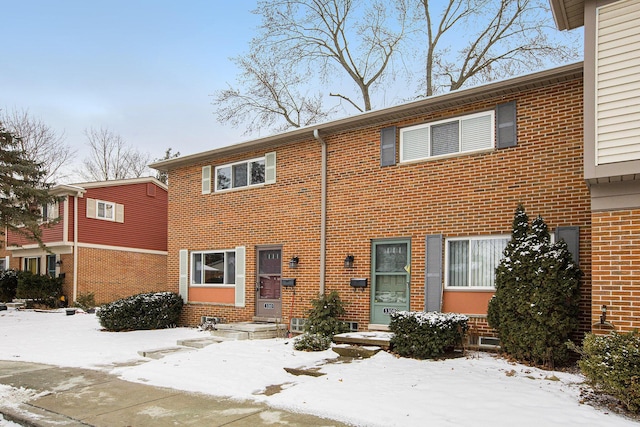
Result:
[
  {"x": 324, "y": 314},
  {"x": 322, "y": 323},
  {"x": 535, "y": 305}
]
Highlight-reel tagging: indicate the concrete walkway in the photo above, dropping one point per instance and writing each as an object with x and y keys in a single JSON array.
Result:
[{"x": 82, "y": 397}]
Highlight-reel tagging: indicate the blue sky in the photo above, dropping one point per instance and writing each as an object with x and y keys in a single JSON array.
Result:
[{"x": 145, "y": 69}]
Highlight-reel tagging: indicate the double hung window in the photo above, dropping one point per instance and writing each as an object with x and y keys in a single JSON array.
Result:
[
  {"x": 105, "y": 210},
  {"x": 213, "y": 268}
]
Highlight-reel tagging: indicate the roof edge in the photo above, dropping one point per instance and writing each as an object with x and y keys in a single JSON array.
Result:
[{"x": 460, "y": 95}]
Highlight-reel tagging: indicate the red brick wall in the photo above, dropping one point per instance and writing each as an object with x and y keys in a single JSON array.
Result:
[
  {"x": 112, "y": 274},
  {"x": 468, "y": 195},
  {"x": 616, "y": 266}
]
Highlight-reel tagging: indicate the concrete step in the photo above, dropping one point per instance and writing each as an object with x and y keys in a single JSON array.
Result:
[
  {"x": 200, "y": 342},
  {"x": 249, "y": 330},
  {"x": 376, "y": 339},
  {"x": 159, "y": 353}
]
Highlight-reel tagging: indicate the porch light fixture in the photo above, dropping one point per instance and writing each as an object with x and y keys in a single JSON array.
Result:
[
  {"x": 603, "y": 317},
  {"x": 293, "y": 262},
  {"x": 59, "y": 262},
  {"x": 348, "y": 261}
]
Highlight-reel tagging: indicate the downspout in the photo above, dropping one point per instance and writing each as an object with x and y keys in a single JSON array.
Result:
[
  {"x": 75, "y": 247},
  {"x": 323, "y": 210}
]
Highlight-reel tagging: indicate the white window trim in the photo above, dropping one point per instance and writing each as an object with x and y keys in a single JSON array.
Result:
[
  {"x": 113, "y": 210},
  {"x": 446, "y": 262},
  {"x": 210, "y": 285},
  {"x": 459, "y": 119},
  {"x": 231, "y": 165}
]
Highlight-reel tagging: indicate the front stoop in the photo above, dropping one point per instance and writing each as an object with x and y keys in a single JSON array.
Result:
[
  {"x": 374, "y": 339},
  {"x": 249, "y": 330},
  {"x": 200, "y": 342}
]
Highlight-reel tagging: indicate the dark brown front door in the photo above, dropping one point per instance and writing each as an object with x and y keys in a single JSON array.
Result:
[{"x": 268, "y": 290}]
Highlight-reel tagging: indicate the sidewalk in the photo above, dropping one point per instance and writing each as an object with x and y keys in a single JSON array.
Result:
[{"x": 82, "y": 397}]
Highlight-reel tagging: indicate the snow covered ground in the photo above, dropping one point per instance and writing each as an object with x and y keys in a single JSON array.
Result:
[{"x": 479, "y": 390}]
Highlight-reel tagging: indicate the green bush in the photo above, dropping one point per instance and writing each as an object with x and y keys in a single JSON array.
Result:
[
  {"x": 323, "y": 316},
  {"x": 140, "y": 312},
  {"x": 39, "y": 289},
  {"x": 86, "y": 301},
  {"x": 535, "y": 306},
  {"x": 425, "y": 335},
  {"x": 8, "y": 285},
  {"x": 612, "y": 366},
  {"x": 312, "y": 342}
]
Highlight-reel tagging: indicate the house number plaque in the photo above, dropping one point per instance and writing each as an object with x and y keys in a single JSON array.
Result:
[
  {"x": 389, "y": 310},
  {"x": 269, "y": 306}
]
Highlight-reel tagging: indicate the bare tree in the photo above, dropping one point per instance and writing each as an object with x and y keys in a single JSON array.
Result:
[
  {"x": 501, "y": 38},
  {"x": 110, "y": 158},
  {"x": 270, "y": 98},
  {"x": 354, "y": 50},
  {"x": 305, "y": 39},
  {"x": 41, "y": 143}
]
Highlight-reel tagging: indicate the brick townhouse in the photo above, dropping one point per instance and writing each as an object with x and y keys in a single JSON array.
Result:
[
  {"x": 611, "y": 152},
  {"x": 403, "y": 208},
  {"x": 110, "y": 238}
]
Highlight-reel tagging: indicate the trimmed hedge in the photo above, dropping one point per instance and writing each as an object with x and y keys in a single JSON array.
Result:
[
  {"x": 312, "y": 342},
  {"x": 612, "y": 366},
  {"x": 426, "y": 335},
  {"x": 39, "y": 289},
  {"x": 155, "y": 310}
]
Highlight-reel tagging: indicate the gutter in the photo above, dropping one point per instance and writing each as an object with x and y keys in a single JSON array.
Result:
[
  {"x": 75, "y": 248},
  {"x": 323, "y": 210}
]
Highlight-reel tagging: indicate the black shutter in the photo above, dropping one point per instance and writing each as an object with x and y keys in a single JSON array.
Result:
[
  {"x": 433, "y": 273},
  {"x": 571, "y": 235},
  {"x": 506, "y": 122},
  {"x": 388, "y": 146}
]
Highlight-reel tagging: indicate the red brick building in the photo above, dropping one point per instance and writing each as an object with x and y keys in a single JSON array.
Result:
[
  {"x": 611, "y": 152},
  {"x": 110, "y": 238},
  {"x": 404, "y": 208}
]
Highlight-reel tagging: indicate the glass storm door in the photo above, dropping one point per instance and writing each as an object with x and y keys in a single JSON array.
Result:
[
  {"x": 268, "y": 290},
  {"x": 390, "y": 279}
]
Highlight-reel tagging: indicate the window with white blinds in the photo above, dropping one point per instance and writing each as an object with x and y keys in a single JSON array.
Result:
[
  {"x": 471, "y": 262},
  {"x": 465, "y": 134}
]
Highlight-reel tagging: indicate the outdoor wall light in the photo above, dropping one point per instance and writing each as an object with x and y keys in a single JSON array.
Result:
[
  {"x": 603, "y": 317},
  {"x": 293, "y": 262},
  {"x": 348, "y": 261},
  {"x": 59, "y": 262}
]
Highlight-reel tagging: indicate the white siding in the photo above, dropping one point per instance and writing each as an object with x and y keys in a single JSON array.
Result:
[{"x": 618, "y": 83}]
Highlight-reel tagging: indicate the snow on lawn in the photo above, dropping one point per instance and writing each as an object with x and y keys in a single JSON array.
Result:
[{"x": 479, "y": 389}]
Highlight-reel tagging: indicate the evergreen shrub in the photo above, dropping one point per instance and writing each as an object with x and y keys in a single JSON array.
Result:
[
  {"x": 8, "y": 285},
  {"x": 141, "y": 312},
  {"x": 426, "y": 335},
  {"x": 535, "y": 306},
  {"x": 323, "y": 321},
  {"x": 39, "y": 289},
  {"x": 611, "y": 364}
]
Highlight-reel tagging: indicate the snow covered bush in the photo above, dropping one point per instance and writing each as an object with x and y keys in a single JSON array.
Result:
[
  {"x": 143, "y": 311},
  {"x": 535, "y": 306},
  {"x": 8, "y": 285},
  {"x": 425, "y": 335},
  {"x": 312, "y": 342},
  {"x": 612, "y": 366}
]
